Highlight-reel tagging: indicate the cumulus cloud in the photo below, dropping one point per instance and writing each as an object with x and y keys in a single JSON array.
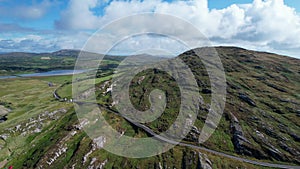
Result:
[
  {"x": 79, "y": 15},
  {"x": 263, "y": 23},
  {"x": 268, "y": 25},
  {"x": 43, "y": 43}
]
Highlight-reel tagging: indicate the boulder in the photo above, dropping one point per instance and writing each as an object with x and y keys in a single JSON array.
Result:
[
  {"x": 206, "y": 91},
  {"x": 204, "y": 162},
  {"x": 3, "y": 119},
  {"x": 99, "y": 141},
  {"x": 295, "y": 137},
  {"x": 247, "y": 99}
]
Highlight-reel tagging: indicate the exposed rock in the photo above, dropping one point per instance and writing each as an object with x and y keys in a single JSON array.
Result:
[
  {"x": 102, "y": 164},
  {"x": 4, "y": 136},
  {"x": 258, "y": 67},
  {"x": 193, "y": 135},
  {"x": 99, "y": 141},
  {"x": 97, "y": 166},
  {"x": 204, "y": 162},
  {"x": 4, "y": 110},
  {"x": 274, "y": 108},
  {"x": 82, "y": 123},
  {"x": 298, "y": 113},
  {"x": 103, "y": 86},
  {"x": 246, "y": 98},
  {"x": 255, "y": 119},
  {"x": 268, "y": 147},
  {"x": 241, "y": 144},
  {"x": 3, "y": 113},
  {"x": 160, "y": 166},
  {"x": 283, "y": 128},
  {"x": 195, "y": 130},
  {"x": 233, "y": 119},
  {"x": 285, "y": 147},
  {"x": 93, "y": 161},
  {"x": 92, "y": 166},
  {"x": 140, "y": 80},
  {"x": 295, "y": 137},
  {"x": 37, "y": 130},
  {"x": 3, "y": 119},
  {"x": 277, "y": 87},
  {"x": 85, "y": 157},
  {"x": 239, "y": 141},
  {"x": 269, "y": 131},
  {"x": 273, "y": 152},
  {"x": 57, "y": 155},
  {"x": 109, "y": 89},
  {"x": 18, "y": 127},
  {"x": 206, "y": 91}
]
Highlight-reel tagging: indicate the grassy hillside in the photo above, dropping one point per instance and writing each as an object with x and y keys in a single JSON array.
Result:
[
  {"x": 262, "y": 106},
  {"x": 260, "y": 121}
]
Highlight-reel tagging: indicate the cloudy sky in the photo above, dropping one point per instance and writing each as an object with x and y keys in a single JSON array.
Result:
[{"x": 50, "y": 25}]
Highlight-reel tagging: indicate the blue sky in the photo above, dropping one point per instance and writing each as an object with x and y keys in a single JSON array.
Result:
[{"x": 49, "y": 25}]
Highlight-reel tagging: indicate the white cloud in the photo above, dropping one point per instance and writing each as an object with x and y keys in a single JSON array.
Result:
[
  {"x": 79, "y": 15},
  {"x": 42, "y": 43},
  {"x": 266, "y": 24}
]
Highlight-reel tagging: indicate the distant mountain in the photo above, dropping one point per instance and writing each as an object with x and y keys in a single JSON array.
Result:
[
  {"x": 18, "y": 62},
  {"x": 64, "y": 52}
]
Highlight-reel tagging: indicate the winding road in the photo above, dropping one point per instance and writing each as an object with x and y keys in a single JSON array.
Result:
[{"x": 152, "y": 133}]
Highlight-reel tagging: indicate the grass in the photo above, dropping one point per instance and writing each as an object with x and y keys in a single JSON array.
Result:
[
  {"x": 66, "y": 90},
  {"x": 29, "y": 97}
]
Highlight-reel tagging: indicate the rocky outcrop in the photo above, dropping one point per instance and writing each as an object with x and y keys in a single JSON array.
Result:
[
  {"x": 247, "y": 99},
  {"x": 238, "y": 139},
  {"x": 93, "y": 164},
  {"x": 33, "y": 125},
  {"x": 56, "y": 155},
  {"x": 268, "y": 148},
  {"x": 3, "y": 119},
  {"x": 193, "y": 135},
  {"x": 295, "y": 136},
  {"x": 204, "y": 162},
  {"x": 289, "y": 149},
  {"x": 298, "y": 113},
  {"x": 241, "y": 144},
  {"x": 99, "y": 141},
  {"x": 3, "y": 113}
]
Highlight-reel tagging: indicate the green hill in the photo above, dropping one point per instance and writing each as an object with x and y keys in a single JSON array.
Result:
[{"x": 261, "y": 120}]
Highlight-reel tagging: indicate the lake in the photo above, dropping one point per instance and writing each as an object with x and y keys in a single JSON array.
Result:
[{"x": 49, "y": 73}]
